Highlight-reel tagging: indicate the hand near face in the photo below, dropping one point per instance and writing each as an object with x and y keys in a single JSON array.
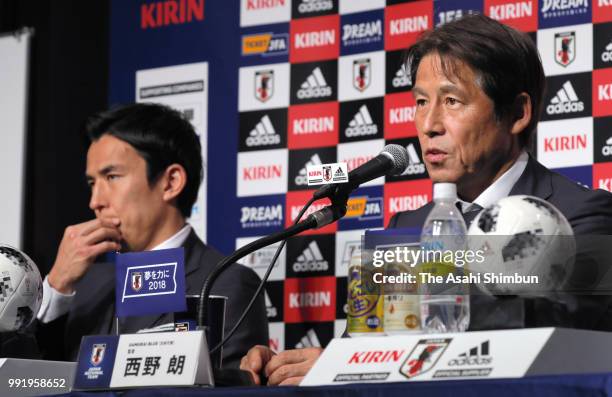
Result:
[
  {"x": 286, "y": 368},
  {"x": 79, "y": 247}
]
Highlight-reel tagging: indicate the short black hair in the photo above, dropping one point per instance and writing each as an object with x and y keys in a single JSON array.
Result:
[
  {"x": 505, "y": 60},
  {"x": 161, "y": 135}
]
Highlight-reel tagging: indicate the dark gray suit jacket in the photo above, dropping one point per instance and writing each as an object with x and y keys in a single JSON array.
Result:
[
  {"x": 589, "y": 212},
  {"x": 92, "y": 312}
]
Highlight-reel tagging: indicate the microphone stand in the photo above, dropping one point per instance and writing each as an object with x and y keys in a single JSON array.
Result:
[{"x": 315, "y": 220}]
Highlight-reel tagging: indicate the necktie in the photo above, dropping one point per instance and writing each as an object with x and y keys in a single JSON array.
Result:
[{"x": 470, "y": 213}]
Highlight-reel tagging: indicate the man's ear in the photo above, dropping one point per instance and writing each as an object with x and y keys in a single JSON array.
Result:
[
  {"x": 174, "y": 181},
  {"x": 522, "y": 113}
]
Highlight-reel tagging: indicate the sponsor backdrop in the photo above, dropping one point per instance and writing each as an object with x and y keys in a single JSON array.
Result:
[{"x": 275, "y": 85}]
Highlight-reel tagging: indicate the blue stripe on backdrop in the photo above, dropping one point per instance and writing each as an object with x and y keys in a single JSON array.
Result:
[{"x": 215, "y": 40}]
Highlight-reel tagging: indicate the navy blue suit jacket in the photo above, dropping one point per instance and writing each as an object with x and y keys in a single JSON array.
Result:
[{"x": 92, "y": 312}]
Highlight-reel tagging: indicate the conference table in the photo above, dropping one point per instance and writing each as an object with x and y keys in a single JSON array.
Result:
[{"x": 553, "y": 385}]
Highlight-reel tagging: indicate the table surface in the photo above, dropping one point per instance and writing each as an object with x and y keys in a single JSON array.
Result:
[{"x": 557, "y": 385}]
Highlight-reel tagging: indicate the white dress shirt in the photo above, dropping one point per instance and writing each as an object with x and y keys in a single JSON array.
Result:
[
  {"x": 501, "y": 187},
  {"x": 55, "y": 304}
]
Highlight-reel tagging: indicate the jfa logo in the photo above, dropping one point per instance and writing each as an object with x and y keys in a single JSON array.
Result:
[
  {"x": 424, "y": 356},
  {"x": 264, "y": 85},
  {"x": 136, "y": 281},
  {"x": 97, "y": 354},
  {"x": 565, "y": 48},
  {"x": 362, "y": 73}
]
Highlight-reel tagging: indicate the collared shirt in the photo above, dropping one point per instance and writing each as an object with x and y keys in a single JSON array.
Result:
[
  {"x": 501, "y": 187},
  {"x": 55, "y": 304}
]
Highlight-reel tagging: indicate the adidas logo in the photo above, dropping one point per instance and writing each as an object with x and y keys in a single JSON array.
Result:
[
  {"x": 362, "y": 124},
  {"x": 307, "y": 6},
  {"x": 309, "y": 340},
  {"x": 415, "y": 166},
  {"x": 478, "y": 355},
  {"x": 606, "y": 56},
  {"x": 301, "y": 179},
  {"x": 311, "y": 260},
  {"x": 566, "y": 101},
  {"x": 402, "y": 77},
  {"x": 607, "y": 149},
  {"x": 315, "y": 86},
  {"x": 263, "y": 134},
  {"x": 270, "y": 309},
  {"x": 339, "y": 173}
]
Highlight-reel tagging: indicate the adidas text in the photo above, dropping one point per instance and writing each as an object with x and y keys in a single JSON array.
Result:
[
  {"x": 263, "y": 140},
  {"x": 314, "y": 6},
  {"x": 314, "y": 92},
  {"x": 413, "y": 169},
  {"x": 361, "y": 130},
  {"x": 470, "y": 361},
  {"x": 310, "y": 266},
  {"x": 565, "y": 107},
  {"x": 402, "y": 81}
]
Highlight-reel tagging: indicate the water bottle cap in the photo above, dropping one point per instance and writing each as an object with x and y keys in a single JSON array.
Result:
[{"x": 445, "y": 191}]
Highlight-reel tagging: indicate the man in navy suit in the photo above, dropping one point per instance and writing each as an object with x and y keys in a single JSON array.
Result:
[
  {"x": 478, "y": 92},
  {"x": 144, "y": 168},
  {"x": 478, "y": 87}
]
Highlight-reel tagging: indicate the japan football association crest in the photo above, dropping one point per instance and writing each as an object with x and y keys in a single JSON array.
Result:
[
  {"x": 424, "y": 356},
  {"x": 97, "y": 354},
  {"x": 264, "y": 85},
  {"x": 327, "y": 174},
  {"x": 565, "y": 48},
  {"x": 362, "y": 73},
  {"x": 136, "y": 281}
]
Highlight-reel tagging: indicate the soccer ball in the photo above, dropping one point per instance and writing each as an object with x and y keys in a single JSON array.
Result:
[
  {"x": 20, "y": 289},
  {"x": 522, "y": 237}
]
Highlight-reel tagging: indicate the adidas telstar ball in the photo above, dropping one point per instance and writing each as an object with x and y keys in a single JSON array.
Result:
[
  {"x": 20, "y": 289},
  {"x": 527, "y": 244}
]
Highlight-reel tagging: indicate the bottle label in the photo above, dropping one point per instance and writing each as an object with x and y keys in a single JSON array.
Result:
[
  {"x": 365, "y": 305},
  {"x": 401, "y": 303}
]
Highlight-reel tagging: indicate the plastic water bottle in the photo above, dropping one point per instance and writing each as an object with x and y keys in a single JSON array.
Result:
[{"x": 445, "y": 307}]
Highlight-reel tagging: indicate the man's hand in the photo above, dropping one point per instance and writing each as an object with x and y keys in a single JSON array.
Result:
[
  {"x": 290, "y": 366},
  {"x": 255, "y": 361},
  {"x": 80, "y": 245},
  {"x": 286, "y": 368}
]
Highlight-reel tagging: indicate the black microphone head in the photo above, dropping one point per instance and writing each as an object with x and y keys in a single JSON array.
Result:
[{"x": 399, "y": 157}]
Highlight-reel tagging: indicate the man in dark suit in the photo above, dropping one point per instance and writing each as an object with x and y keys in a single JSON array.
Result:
[
  {"x": 478, "y": 91},
  {"x": 144, "y": 168},
  {"x": 478, "y": 88},
  {"x": 589, "y": 212}
]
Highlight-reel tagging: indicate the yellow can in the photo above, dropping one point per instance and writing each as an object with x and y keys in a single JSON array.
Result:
[{"x": 365, "y": 303}]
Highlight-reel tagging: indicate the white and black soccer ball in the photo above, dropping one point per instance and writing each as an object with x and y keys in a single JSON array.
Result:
[
  {"x": 526, "y": 236},
  {"x": 20, "y": 289}
]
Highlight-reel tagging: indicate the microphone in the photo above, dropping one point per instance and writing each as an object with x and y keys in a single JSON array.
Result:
[{"x": 393, "y": 160}]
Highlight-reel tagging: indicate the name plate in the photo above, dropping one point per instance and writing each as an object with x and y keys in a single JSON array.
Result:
[
  {"x": 469, "y": 355},
  {"x": 140, "y": 360}
]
